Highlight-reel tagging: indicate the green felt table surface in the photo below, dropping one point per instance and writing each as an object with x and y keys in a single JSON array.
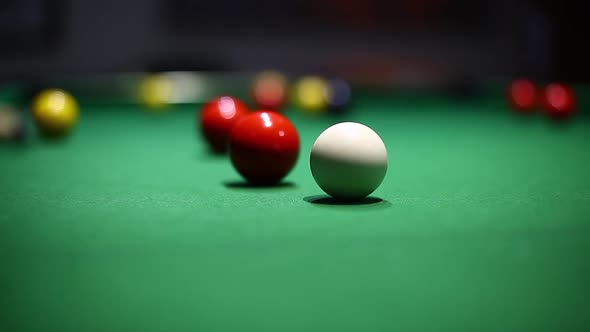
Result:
[{"x": 481, "y": 224}]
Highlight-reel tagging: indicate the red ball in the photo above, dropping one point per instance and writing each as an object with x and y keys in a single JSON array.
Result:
[
  {"x": 559, "y": 101},
  {"x": 523, "y": 95},
  {"x": 218, "y": 118},
  {"x": 264, "y": 147}
]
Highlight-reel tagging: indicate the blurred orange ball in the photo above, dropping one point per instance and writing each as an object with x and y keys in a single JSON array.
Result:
[{"x": 270, "y": 90}]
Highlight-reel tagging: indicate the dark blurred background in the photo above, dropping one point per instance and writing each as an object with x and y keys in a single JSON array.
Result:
[{"x": 364, "y": 40}]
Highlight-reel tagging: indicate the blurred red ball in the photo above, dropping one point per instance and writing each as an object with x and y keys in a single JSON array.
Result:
[
  {"x": 523, "y": 95},
  {"x": 559, "y": 100},
  {"x": 217, "y": 119}
]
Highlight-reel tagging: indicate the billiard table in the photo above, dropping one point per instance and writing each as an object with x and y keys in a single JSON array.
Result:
[{"x": 129, "y": 224}]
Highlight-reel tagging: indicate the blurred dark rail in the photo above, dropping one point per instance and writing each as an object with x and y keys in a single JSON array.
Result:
[{"x": 376, "y": 39}]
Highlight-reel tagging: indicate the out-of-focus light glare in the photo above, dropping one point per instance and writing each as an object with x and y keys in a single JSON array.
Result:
[
  {"x": 56, "y": 101},
  {"x": 266, "y": 118},
  {"x": 227, "y": 107}
]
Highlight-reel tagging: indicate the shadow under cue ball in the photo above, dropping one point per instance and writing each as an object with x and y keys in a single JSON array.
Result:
[{"x": 348, "y": 161}]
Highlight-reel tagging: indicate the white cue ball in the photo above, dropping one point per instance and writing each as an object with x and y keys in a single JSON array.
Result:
[{"x": 348, "y": 161}]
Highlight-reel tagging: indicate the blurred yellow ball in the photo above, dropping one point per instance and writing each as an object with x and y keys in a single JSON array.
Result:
[
  {"x": 155, "y": 91},
  {"x": 310, "y": 93},
  {"x": 55, "y": 112}
]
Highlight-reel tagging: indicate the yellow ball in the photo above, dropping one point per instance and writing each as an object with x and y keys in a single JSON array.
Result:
[
  {"x": 55, "y": 112},
  {"x": 155, "y": 91},
  {"x": 310, "y": 93}
]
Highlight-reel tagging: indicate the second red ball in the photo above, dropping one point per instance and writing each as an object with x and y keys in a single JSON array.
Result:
[
  {"x": 218, "y": 118},
  {"x": 559, "y": 101}
]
